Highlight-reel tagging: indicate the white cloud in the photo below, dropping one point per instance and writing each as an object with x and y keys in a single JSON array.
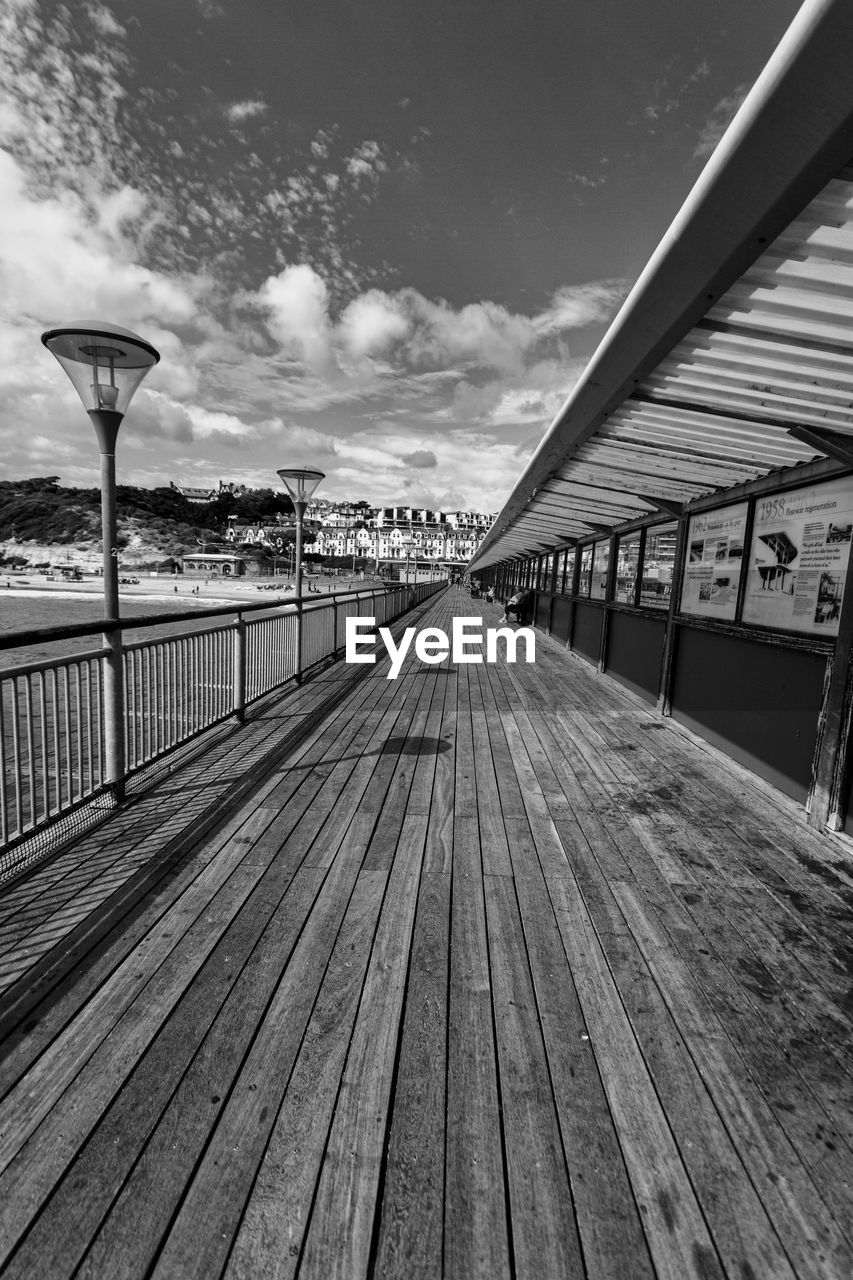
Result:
[
  {"x": 371, "y": 324},
  {"x": 576, "y": 306},
  {"x": 366, "y": 162},
  {"x": 237, "y": 112},
  {"x": 718, "y": 121},
  {"x": 296, "y": 302}
]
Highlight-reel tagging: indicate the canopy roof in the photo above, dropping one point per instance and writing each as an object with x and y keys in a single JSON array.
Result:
[{"x": 733, "y": 354}]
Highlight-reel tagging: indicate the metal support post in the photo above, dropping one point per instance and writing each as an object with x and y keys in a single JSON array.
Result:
[
  {"x": 239, "y": 671},
  {"x": 106, "y": 426}
]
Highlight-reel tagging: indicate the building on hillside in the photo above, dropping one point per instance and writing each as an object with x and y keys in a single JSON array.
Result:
[
  {"x": 207, "y": 494},
  {"x": 214, "y": 565}
]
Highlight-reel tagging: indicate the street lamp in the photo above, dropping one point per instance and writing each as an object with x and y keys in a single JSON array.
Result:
[
  {"x": 408, "y": 544},
  {"x": 300, "y": 483},
  {"x": 106, "y": 364}
]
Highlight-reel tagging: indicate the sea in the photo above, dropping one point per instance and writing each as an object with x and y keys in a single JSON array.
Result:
[{"x": 19, "y": 612}]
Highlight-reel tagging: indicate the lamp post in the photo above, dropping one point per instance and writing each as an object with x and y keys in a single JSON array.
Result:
[
  {"x": 106, "y": 364},
  {"x": 300, "y": 483},
  {"x": 408, "y": 544}
]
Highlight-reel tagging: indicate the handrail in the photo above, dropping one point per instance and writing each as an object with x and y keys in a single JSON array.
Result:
[
  {"x": 45, "y": 635},
  {"x": 57, "y": 747}
]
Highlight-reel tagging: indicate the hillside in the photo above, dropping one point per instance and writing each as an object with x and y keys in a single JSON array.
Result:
[{"x": 43, "y": 523}]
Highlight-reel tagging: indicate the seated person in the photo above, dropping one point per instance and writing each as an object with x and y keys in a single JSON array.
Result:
[{"x": 521, "y": 606}]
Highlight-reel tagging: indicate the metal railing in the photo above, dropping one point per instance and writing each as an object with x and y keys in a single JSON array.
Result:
[{"x": 55, "y": 747}]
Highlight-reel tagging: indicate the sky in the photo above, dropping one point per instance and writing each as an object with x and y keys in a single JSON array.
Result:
[{"x": 377, "y": 237}]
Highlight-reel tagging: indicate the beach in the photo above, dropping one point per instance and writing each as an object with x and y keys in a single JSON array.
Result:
[{"x": 181, "y": 592}]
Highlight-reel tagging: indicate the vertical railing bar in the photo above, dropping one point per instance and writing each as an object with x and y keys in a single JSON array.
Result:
[
  {"x": 4, "y": 798},
  {"x": 128, "y": 657},
  {"x": 89, "y": 740},
  {"x": 54, "y": 698},
  {"x": 146, "y": 728},
  {"x": 196, "y": 686},
  {"x": 179, "y": 681},
  {"x": 198, "y": 682},
  {"x": 192, "y": 687},
  {"x": 143, "y": 702},
  {"x": 159, "y": 684},
  {"x": 16, "y": 752},
  {"x": 213, "y": 663},
  {"x": 45, "y": 768},
  {"x": 166, "y": 700},
  {"x": 130, "y": 716},
  {"x": 189, "y": 688},
  {"x": 179, "y": 684},
  {"x": 204, "y": 645},
  {"x": 176, "y": 683},
  {"x": 78, "y": 692},
  {"x": 31, "y": 769},
  {"x": 69, "y": 770}
]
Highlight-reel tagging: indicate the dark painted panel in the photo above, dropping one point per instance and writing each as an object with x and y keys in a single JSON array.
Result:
[
  {"x": 586, "y": 639},
  {"x": 543, "y": 611},
  {"x": 757, "y": 703},
  {"x": 634, "y": 651},
  {"x": 560, "y": 618}
]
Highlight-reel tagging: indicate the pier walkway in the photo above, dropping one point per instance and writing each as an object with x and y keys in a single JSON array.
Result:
[{"x": 483, "y": 972}]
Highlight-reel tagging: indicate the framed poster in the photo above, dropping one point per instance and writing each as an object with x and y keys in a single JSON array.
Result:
[
  {"x": 799, "y": 558},
  {"x": 714, "y": 560}
]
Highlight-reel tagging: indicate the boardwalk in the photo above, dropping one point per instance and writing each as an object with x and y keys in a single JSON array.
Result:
[{"x": 487, "y": 972}]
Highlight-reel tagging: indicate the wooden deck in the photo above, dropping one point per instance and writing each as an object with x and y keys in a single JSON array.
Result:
[{"x": 491, "y": 973}]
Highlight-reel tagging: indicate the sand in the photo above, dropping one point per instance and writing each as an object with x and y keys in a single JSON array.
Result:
[{"x": 189, "y": 591}]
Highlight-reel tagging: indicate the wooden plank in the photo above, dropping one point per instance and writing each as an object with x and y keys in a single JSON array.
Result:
[
  {"x": 542, "y": 1222},
  {"x": 338, "y": 1242},
  {"x": 511, "y": 801},
  {"x": 608, "y": 1220},
  {"x": 270, "y": 1234},
  {"x": 475, "y": 1226},
  {"x": 410, "y": 1230},
  {"x": 465, "y": 794},
  {"x": 438, "y": 855},
  {"x": 493, "y": 844}
]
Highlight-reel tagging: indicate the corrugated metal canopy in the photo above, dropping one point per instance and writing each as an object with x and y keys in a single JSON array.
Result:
[{"x": 733, "y": 355}]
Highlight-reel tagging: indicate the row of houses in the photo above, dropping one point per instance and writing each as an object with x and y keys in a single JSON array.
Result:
[{"x": 380, "y": 534}]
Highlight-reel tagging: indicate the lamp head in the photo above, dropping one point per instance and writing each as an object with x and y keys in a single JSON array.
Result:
[
  {"x": 301, "y": 482},
  {"x": 104, "y": 362}
]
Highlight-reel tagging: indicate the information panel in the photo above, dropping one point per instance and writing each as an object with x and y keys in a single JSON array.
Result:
[
  {"x": 714, "y": 560},
  {"x": 799, "y": 558}
]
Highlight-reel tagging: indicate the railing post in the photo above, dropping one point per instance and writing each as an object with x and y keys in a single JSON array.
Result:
[
  {"x": 298, "y": 671},
  {"x": 106, "y": 426},
  {"x": 239, "y": 677},
  {"x": 114, "y": 713}
]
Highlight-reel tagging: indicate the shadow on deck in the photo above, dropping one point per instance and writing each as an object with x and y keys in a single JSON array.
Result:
[{"x": 481, "y": 972}]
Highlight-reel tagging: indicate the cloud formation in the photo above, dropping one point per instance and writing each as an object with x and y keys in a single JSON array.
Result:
[
  {"x": 391, "y": 391},
  {"x": 236, "y": 112},
  {"x": 718, "y": 121}
]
